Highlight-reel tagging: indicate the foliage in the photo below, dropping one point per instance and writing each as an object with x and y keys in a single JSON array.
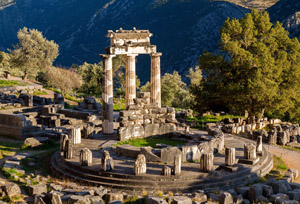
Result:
[
  {"x": 33, "y": 53},
  {"x": 151, "y": 141},
  {"x": 211, "y": 118},
  {"x": 67, "y": 80},
  {"x": 174, "y": 91},
  {"x": 91, "y": 76},
  {"x": 1, "y": 57},
  {"x": 119, "y": 104},
  {"x": 4, "y": 62},
  {"x": 202, "y": 120},
  {"x": 120, "y": 82},
  {"x": 259, "y": 71},
  {"x": 11, "y": 83}
]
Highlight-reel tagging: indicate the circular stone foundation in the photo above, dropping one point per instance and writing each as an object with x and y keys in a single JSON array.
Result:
[{"x": 190, "y": 179}]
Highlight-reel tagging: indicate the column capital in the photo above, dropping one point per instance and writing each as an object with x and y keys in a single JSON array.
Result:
[
  {"x": 105, "y": 56},
  {"x": 157, "y": 54}
]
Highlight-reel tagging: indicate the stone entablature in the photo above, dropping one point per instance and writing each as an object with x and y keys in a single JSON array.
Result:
[
  {"x": 143, "y": 119},
  {"x": 130, "y": 42}
]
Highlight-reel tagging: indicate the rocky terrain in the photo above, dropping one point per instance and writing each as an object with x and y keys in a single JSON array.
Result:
[
  {"x": 254, "y": 4},
  {"x": 287, "y": 12}
]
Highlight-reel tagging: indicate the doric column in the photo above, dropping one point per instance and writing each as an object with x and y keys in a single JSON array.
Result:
[
  {"x": 230, "y": 156},
  {"x": 130, "y": 93},
  {"x": 155, "y": 79},
  {"x": 107, "y": 95}
]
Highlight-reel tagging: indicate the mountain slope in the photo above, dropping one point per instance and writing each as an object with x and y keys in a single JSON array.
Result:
[
  {"x": 182, "y": 29},
  {"x": 287, "y": 12}
]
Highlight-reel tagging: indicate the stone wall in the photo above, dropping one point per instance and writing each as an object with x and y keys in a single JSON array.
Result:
[
  {"x": 15, "y": 126},
  {"x": 143, "y": 119}
]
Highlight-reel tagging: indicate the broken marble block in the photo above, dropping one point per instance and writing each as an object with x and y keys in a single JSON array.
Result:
[
  {"x": 140, "y": 166},
  {"x": 107, "y": 163},
  {"x": 85, "y": 157}
]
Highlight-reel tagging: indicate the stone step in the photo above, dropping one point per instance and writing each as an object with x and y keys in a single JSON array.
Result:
[
  {"x": 139, "y": 179},
  {"x": 133, "y": 182}
]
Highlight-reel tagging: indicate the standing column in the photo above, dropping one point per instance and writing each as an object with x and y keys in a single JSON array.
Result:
[
  {"x": 155, "y": 79},
  {"x": 107, "y": 95},
  {"x": 130, "y": 93}
]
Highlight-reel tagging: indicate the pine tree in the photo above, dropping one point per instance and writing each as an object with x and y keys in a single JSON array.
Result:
[{"x": 258, "y": 71}]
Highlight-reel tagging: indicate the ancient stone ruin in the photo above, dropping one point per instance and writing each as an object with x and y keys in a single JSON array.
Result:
[{"x": 130, "y": 43}]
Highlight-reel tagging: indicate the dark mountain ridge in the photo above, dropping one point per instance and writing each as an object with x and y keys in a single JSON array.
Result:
[{"x": 182, "y": 29}]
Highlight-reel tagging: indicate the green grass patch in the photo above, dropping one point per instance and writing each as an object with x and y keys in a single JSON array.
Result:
[
  {"x": 9, "y": 148},
  {"x": 53, "y": 89},
  {"x": 69, "y": 106},
  {"x": 279, "y": 164},
  {"x": 119, "y": 104},
  {"x": 72, "y": 98},
  {"x": 12, "y": 83},
  {"x": 40, "y": 93},
  {"x": 211, "y": 118},
  {"x": 202, "y": 120},
  {"x": 151, "y": 141},
  {"x": 290, "y": 148}
]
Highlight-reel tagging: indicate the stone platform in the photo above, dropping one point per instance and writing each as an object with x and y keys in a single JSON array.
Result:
[{"x": 190, "y": 178}]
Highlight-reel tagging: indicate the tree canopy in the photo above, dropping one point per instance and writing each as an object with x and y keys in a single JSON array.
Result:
[
  {"x": 259, "y": 69},
  {"x": 67, "y": 80},
  {"x": 33, "y": 53},
  {"x": 174, "y": 91},
  {"x": 91, "y": 75}
]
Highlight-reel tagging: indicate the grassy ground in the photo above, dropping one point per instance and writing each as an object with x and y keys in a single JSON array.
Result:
[
  {"x": 279, "y": 167},
  {"x": 119, "y": 104},
  {"x": 40, "y": 93},
  {"x": 290, "y": 148},
  {"x": 9, "y": 148},
  {"x": 202, "y": 120},
  {"x": 10, "y": 83},
  {"x": 151, "y": 141}
]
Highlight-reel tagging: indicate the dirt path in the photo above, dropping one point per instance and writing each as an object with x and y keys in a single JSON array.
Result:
[{"x": 290, "y": 158}]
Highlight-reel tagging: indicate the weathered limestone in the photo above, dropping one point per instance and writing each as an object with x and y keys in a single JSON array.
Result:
[
  {"x": 207, "y": 162},
  {"x": 68, "y": 151},
  {"x": 16, "y": 126},
  {"x": 130, "y": 92},
  {"x": 166, "y": 171},
  {"x": 140, "y": 166},
  {"x": 143, "y": 119},
  {"x": 107, "y": 163},
  {"x": 225, "y": 198},
  {"x": 63, "y": 140},
  {"x": 28, "y": 100},
  {"x": 168, "y": 154},
  {"x": 249, "y": 155},
  {"x": 249, "y": 151},
  {"x": 155, "y": 79},
  {"x": 107, "y": 95},
  {"x": 230, "y": 156},
  {"x": 59, "y": 99},
  {"x": 190, "y": 153},
  {"x": 85, "y": 157},
  {"x": 75, "y": 135},
  {"x": 259, "y": 147},
  {"x": 177, "y": 164},
  {"x": 88, "y": 131}
]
